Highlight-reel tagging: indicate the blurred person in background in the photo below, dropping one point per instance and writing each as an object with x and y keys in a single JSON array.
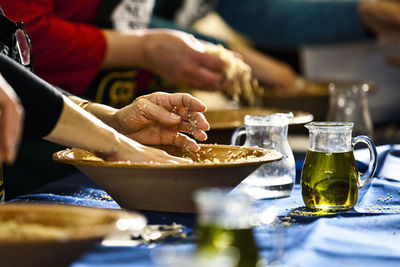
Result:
[
  {"x": 103, "y": 50},
  {"x": 326, "y": 39}
]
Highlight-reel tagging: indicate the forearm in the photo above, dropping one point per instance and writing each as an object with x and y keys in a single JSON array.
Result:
[
  {"x": 41, "y": 101},
  {"x": 124, "y": 49},
  {"x": 103, "y": 112},
  {"x": 86, "y": 131},
  {"x": 67, "y": 53}
]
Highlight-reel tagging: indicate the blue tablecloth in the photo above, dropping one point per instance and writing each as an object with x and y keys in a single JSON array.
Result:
[{"x": 368, "y": 235}]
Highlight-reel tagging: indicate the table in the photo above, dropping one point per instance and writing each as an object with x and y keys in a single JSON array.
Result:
[{"x": 368, "y": 235}]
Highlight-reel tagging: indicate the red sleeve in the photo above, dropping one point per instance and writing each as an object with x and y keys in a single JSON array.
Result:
[{"x": 67, "y": 54}]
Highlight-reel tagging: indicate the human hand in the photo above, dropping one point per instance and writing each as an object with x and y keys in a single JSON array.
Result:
[
  {"x": 11, "y": 119},
  {"x": 381, "y": 17},
  {"x": 80, "y": 129},
  {"x": 277, "y": 75},
  {"x": 159, "y": 118},
  {"x": 269, "y": 71},
  {"x": 128, "y": 150},
  {"x": 180, "y": 58}
]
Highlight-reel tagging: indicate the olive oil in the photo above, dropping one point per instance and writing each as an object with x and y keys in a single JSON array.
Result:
[
  {"x": 214, "y": 239},
  {"x": 329, "y": 180}
]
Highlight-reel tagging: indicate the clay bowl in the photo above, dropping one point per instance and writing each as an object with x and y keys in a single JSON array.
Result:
[
  {"x": 54, "y": 235},
  {"x": 169, "y": 187}
]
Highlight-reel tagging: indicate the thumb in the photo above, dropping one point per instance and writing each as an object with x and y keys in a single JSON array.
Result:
[{"x": 210, "y": 61}]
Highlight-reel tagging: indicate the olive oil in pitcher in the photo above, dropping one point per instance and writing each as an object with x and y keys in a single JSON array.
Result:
[{"x": 329, "y": 180}]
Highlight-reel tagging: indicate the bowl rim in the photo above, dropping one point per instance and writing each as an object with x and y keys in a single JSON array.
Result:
[
  {"x": 97, "y": 232},
  {"x": 269, "y": 156}
]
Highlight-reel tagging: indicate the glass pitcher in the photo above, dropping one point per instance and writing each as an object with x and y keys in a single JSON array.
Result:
[
  {"x": 330, "y": 179},
  {"x": 349, "y": 102},
  {"x": 274, "y": 179}
]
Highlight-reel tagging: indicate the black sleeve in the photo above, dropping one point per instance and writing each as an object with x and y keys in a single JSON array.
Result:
[{"x": 42, "y": 102}]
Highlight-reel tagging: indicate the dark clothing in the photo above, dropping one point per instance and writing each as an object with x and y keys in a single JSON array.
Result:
[{"x": 43, "y": 103}]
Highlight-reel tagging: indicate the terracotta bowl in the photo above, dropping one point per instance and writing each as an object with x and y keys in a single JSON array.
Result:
[
  {"x": 168, "y": 187},
  {"x": 54, "y": 235}
]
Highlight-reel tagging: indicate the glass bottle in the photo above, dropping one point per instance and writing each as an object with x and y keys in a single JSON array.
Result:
[
  {"x": 225, "y": 230},
  {"x": 274, "y": 179}
]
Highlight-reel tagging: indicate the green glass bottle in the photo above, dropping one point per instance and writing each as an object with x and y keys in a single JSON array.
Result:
[{"x": 224, "y": 228}]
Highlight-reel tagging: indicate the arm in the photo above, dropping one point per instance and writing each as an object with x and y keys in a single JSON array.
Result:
[
  {"x": 174, "y": 55},
  {"x": 77, "y": 128},
  {"x": 158, "y": 118},
  {"x": 52, "y": 116},
  {"x": 382, "y": 17},
  {"x": 11, "y": 119},
  {"x": 292, "y": 23},
  {"x": 60, "y": 47},
  {"x": 266, "y": 69},
  {"x": 69, "y": 54}
]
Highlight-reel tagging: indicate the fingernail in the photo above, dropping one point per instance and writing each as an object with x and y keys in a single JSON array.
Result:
[{"x": 197, "y": 147}]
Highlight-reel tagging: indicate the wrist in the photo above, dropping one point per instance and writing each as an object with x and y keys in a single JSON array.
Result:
[
  {"x": 84, "y": 104},
  {"x": 105, "y": 113}
]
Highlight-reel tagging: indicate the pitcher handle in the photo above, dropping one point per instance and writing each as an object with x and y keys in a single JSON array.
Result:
[
  {"x": 236, "y": 135},
  {"x": 373, "y": 156}
]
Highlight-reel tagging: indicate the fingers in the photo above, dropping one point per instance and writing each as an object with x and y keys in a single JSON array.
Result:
[
  {"x": 190, "y": 121},
  {"x": 163, "y": 157},
  {"x": 129, "y": 150},
  {"x": 157, "y": 113},
  {"x": 209, "y": 61},
  {"x": 206, "y": 79},
  {"x": 177, "y": 100},
  {"x": 194, "y": 124},
  {"x": 194, "y": 131},
  {"x": 183, "y": 141}
]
